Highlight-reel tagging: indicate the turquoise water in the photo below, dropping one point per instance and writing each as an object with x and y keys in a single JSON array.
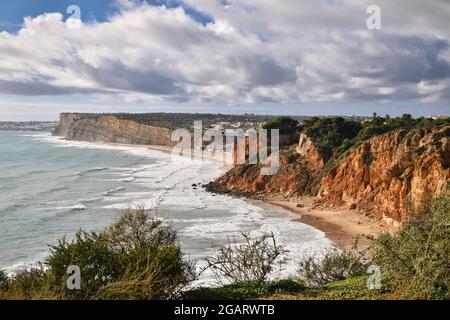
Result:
[{"x": 49, "y": 188}]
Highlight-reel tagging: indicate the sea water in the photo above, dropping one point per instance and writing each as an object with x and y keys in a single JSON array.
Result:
[{"x": 51, "y": 187}]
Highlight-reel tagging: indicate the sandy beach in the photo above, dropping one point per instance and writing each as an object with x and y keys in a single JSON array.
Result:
[
  {"x": 198, "y": 154},
  {"x": 342, "y": 226}
]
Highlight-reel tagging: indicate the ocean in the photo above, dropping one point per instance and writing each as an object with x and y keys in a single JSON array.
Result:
[{"x": 51, "y": 187}]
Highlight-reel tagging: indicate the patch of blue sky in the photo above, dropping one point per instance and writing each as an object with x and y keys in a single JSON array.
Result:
[{"x": 12, "y": 13}]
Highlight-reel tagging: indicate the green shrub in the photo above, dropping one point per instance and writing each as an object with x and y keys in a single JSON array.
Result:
[
  {"x": 290, "y": 155},
  {"x": 331, "y": 132},
  {"x": 380, "y": 125},
  {"x": 252, "y": 260},
  {"x": 4, "y": 282},
  {"x": 286, "y": 125},
  {"x": 245, "y": 290},
  {"x": 90, "y": 252},
  {"x": 334, "y": 264},
  {"x": 33, "y": 284},
  {"x": 162, "y": 276},
  {"x": 415, "y": 262},
  {"x": 136, "y": 258},
  {"x": 340, "y": 135}
]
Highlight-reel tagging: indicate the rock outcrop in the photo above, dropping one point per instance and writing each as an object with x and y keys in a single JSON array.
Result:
[
  {"x": 390, "y": 172},
  {"x": 111, "y": 129},
  {"x": 298, "y": 173},
  {"x": 315, "y": 154},
  {"x": 292, "y": 179}
]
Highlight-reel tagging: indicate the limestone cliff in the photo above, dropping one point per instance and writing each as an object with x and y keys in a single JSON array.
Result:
[
  {"x": 391, "y": 171},
  {"x": 110, "y": 129}
]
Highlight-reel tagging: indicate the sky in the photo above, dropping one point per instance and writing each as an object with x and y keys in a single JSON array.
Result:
[{"x": 299, "y": 57}]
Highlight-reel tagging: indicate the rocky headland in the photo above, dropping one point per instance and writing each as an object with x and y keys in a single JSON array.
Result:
[{"x": 381, "y": 178}]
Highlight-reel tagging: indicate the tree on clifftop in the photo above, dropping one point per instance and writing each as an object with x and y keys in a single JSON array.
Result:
[{"x": 286, "y": 125}]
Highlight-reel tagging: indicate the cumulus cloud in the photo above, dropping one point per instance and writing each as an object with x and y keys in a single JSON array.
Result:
[{"x": 250, "y": 51}]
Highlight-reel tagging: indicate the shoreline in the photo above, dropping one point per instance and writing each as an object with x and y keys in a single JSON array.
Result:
[
  {"x": 341, "y": 226},
  {"x": 197, "y": 154}
]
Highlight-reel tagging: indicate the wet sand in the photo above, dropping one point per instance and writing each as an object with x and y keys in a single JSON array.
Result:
[{"x": 342, "y": 226}]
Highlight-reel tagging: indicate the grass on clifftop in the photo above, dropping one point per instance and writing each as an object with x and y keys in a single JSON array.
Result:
[{"x": 340, "y": 135}]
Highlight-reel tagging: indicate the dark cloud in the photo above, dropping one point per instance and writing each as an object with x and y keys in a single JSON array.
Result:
[
  {"x": 36, "y": 88},
  {"x": 412, "y": 58},
  {"x": 263, "y": 71},
  {"x": 119, "y": 77}
]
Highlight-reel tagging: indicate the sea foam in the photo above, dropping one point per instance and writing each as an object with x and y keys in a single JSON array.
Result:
[{"x": 160, "y": 183}]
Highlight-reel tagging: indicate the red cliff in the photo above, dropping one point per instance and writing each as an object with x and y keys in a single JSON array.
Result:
[
  {"x": 383, "y": 176},
  {"x": 391, "y": 171}
]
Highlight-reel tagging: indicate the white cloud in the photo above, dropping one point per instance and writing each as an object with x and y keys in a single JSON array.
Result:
[{"x": 253, "y": 51}]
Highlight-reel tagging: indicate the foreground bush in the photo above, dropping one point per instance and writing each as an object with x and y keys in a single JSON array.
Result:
[
  {"x": 32, "y": 284},
  {"x": 136, "y": 258},
  {"x": 252, "y": 260},
  {"x": 415, "y": 262},
  {"x": 4, "y": 281},
  {"x": 285, "y": 125},
  {"x": 317, "y": 270}
]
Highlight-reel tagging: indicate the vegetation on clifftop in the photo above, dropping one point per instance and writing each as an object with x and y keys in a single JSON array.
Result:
[
  {"x": 340, "y": 135},
  {"x": 331, "y": 132},
  {"x": 284, "y": 124}
]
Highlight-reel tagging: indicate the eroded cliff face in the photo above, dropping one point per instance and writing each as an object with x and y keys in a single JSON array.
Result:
[
  {"x": 292, "y": 179},
  {"x": 383, "y": 176},
  {"x": 389, "y": 172},
  {"x": 315, "y": 155},
  {"x": 111, "y": 129}
]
